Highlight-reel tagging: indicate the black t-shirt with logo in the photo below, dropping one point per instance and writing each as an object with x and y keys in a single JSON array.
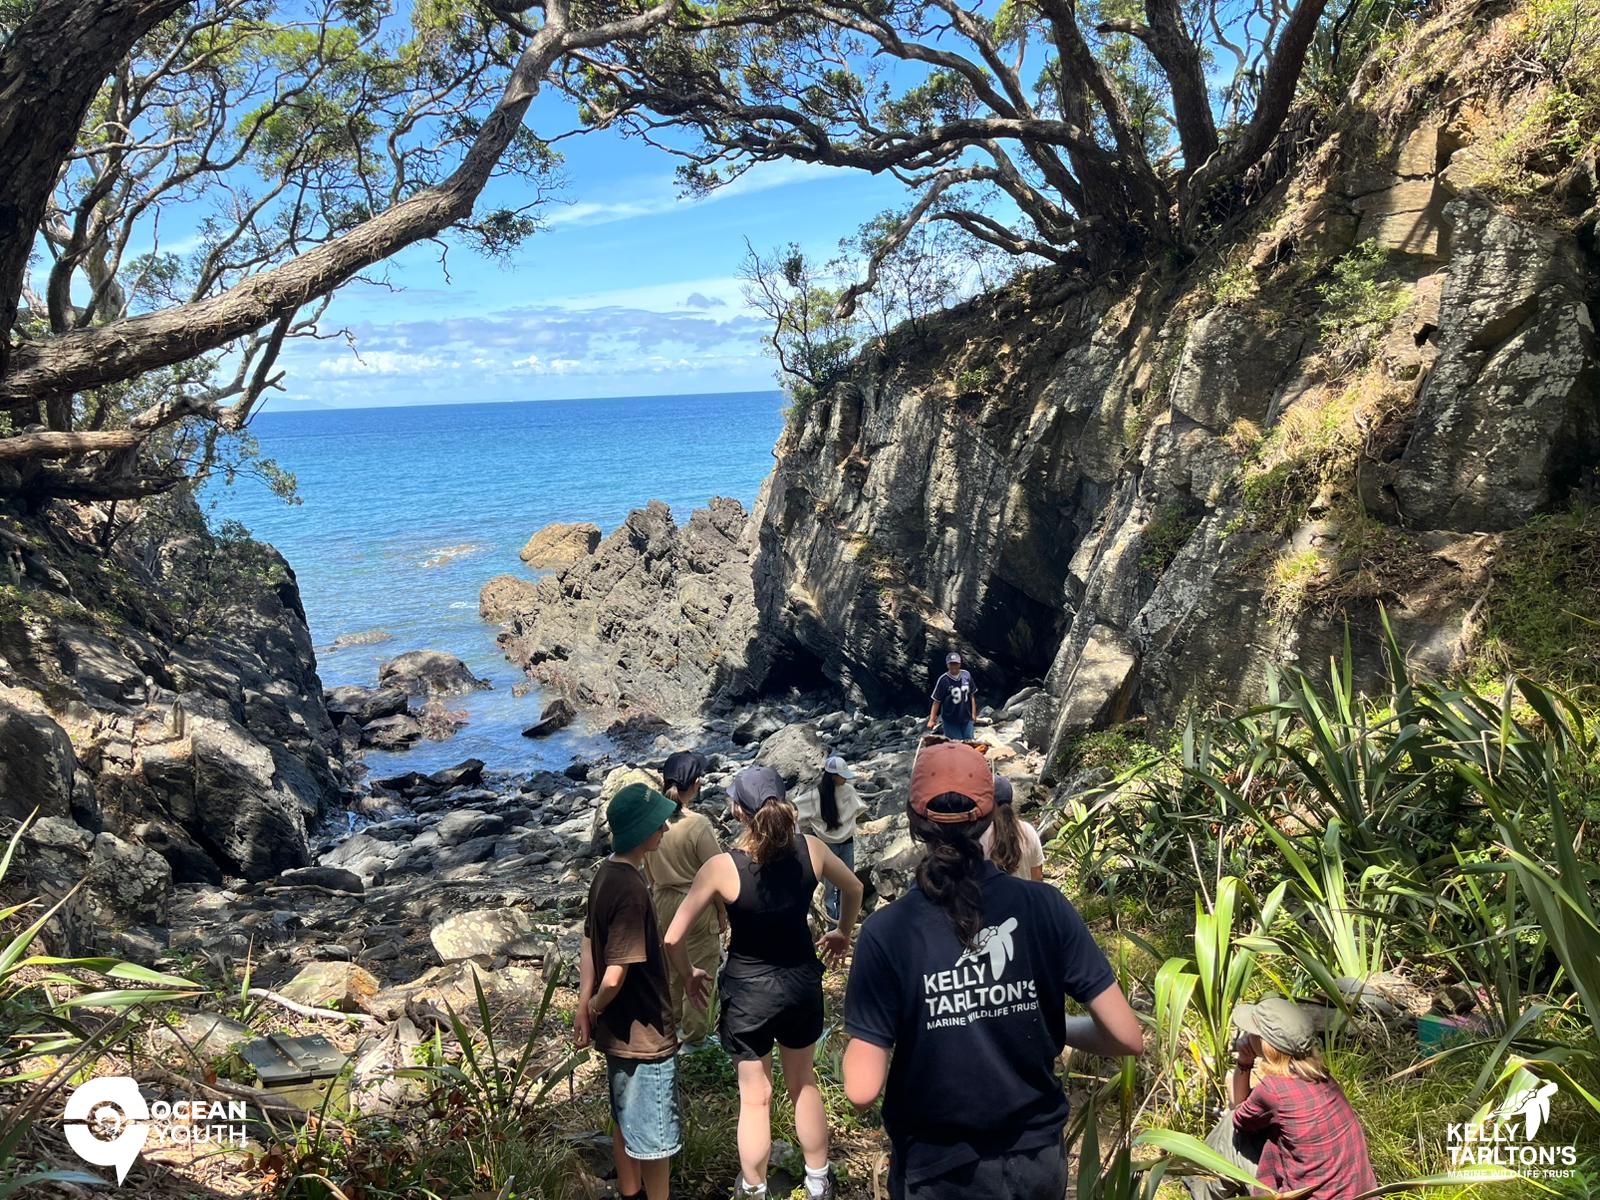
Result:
[
  {"x": 954, "y": 694},
  {"x": 976, "y": 1033}
]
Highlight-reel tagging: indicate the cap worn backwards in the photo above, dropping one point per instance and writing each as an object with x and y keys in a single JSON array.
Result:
[
  {"x": 952, "y": 768},
  {"x": 754, "y": 786}
]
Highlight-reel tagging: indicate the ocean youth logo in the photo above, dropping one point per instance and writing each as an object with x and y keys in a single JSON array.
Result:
[
  {"x": 1505, "y": 1136},
  {"x": 108, "y": 1123}
]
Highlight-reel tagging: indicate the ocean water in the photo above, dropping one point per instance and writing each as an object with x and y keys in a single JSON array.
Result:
[{"x": 407, "y": 512}]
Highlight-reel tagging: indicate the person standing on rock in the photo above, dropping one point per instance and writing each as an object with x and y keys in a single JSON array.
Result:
[
  {"x": 828, "y": 811},
  {"x": 1011, "y": 843},
  {"x": 771, "y": 987},
  {"x": 955, "y": 704},
  {"x": 624, "y": 1002},
  {"x": 689, "y": 844},
  {"x": 964, "y": 979}
]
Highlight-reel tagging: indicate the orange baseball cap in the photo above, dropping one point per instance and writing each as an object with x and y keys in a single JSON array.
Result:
[{"x": 947, "y": 768}]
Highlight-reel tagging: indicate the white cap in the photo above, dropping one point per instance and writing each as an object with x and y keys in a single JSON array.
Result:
[{"x": 836, "y": 766}]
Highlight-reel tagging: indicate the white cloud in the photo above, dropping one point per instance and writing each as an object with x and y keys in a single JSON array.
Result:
[{"x": 655, "y": 196}]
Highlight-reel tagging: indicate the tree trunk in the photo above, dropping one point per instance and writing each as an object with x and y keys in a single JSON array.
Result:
[{"x": 52, "y": 69}]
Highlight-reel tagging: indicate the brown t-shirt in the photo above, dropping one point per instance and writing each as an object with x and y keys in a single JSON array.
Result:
[
  {"x": 689, "y": 843},
  {"x": 621, "y": 926}
]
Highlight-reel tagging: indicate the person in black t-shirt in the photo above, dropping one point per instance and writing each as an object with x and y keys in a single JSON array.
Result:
[
  {"x": 955, "y": 705},
  {"x": 965, "y": 978}
]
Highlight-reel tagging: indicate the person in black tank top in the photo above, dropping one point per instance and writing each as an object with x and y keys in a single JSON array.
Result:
[{"x": 771, "y": 987}]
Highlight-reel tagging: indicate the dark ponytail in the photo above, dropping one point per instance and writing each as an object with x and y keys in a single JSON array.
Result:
[
  {"x": 951, "y": 871},
  {"x": 770, "y": 831},
  {"x": 827, "y": 795},
  {"x": 1005, "y": 850}
]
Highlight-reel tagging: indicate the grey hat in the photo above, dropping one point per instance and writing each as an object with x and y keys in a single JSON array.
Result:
[
  {"x": 836, "y": 766},
  {"x": 953, "y": 656},
  {"x": 754, "y": 786},
  {"x": 1281, "y": 1023},
  {"x": 1003, "y": 793}
]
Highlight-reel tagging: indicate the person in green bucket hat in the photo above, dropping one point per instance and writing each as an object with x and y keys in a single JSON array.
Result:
[{"x": 624, "y": 1005}]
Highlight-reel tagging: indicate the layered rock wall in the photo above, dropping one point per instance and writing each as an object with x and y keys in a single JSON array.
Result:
[{"x": 1145, "y": 497}]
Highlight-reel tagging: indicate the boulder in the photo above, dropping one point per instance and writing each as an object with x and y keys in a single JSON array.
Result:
[
  {"x": 560, "y": 544},
  {"x": 795, "y": 752},
  {"x": 439, "y": 722},
  {"x": 466, "y": 773},
  {"x": 132, "y": 881},
  {"x": 1098, "y": 690},
  {"x": 558, "y": 714},
  {"x": 464, "y": 824},
  {"x": 339, "y": 985},
  {"x": 366, "y": 637},
  {"x": 201, "y": 1036},
  {"x": 365, "y": 705},
  {"x": 429, "y": 673},
  {"x": 487, "y": 933},
  {"x": 250, "y": 804},
  {"x": 335, "y": 879},
  {"x": 36, "y": 760},
  {"x": 399, "y": 732},
  {"x": 504, "y": 596}
]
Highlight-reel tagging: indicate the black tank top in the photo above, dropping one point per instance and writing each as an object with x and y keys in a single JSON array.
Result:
[{"x": 768, "y": 920}]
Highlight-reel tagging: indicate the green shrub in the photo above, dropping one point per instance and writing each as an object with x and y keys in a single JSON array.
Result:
[{"x": 1359, "y": 304}]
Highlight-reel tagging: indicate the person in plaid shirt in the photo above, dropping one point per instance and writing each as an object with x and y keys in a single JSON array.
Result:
[{"x": 1294, "y": 1129}]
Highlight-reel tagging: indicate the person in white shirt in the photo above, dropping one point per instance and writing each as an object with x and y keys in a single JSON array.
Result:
[
  {"x": 828, "y": 811},
  {"x": 1011, "y": 843}
]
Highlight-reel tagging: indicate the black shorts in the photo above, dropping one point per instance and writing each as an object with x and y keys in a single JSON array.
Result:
[
  {"x": 780, "y": 1005},
  {"x": 1039, "y": 1174}
]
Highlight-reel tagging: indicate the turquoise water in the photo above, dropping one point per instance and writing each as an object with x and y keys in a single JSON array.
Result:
[{"x": 408, "y": 511}]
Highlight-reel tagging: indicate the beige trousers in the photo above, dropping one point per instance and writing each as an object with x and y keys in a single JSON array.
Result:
[{"x": 705, "y": 952}]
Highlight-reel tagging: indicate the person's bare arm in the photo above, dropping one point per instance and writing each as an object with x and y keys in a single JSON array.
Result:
[
  {"x": 711, "y": 883},
  {"x": 866, "y": 1068},
  {"x": 830, "y": 866},
  {"x": 616, "y": 974},
  {"x": 1241, "y": 1075},
  {"x": 1111, "y": 1029},
  {"x": 933, "y": 714},
  {"x": 582, "y": 1023}
]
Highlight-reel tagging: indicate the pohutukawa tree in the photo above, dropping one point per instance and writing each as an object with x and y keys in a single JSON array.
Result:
[
  {"x": 184, "y": 185},
  {"x": 1085, "y": 134}
]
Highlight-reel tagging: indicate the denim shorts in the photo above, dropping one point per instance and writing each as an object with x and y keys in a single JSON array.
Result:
[
  {"x": 958, "y": 729},
  {"x": 644, "y": 1101}
]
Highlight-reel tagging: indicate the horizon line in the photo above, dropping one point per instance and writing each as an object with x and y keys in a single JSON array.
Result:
[{"x": 313, "y": 406}]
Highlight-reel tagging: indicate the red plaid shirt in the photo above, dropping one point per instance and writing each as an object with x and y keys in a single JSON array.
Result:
[{"x": 1314, "y": 1139}]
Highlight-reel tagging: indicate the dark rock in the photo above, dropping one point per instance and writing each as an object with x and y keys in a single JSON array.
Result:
[
  {"x": 439, "y": 722},
  {"x": 407, "y": 784},
  {"x": 134, "y": 881},
  {"x": 577, "y": 770},
  {"x": 399, "y": 732},
  {"x": 429, "y": 673},
  {"x": 365, "y": 704},
  {"x": 335, "y": 879},
  {"x": 189, "y": 861},
  {"x": 465, "y": 824},
  {"x": 467, "y": 773},
  {"x": 36, "y": 762},
  {"x": 558, "y": 714}
]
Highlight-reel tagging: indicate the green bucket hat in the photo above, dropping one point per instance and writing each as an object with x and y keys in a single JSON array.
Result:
[
  {"x": 634, "y": 814},
  {"x": 1279, "y": 1022}
]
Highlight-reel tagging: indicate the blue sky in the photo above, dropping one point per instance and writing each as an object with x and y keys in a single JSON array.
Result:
[{"x": 630, "y": 290}]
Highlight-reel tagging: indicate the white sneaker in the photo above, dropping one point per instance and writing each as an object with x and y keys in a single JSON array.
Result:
[{"x": 743, "y": 1191}]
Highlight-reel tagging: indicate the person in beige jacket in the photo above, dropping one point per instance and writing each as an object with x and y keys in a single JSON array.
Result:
[{"x": 689, "y": 843}]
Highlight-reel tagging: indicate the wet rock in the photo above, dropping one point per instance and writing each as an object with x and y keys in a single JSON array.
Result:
[
  {"x": 439, "y": 722},
  {"x": 399, "y": 732},
  {"x": 429, "y": 673},
  {"x": 558, "y": 714},
  {"x": 367, "y": 637},
  {"x": 467, "y": 773},
  {"x": 560, "y": 544},
  {"x": 487, "y": 933}
]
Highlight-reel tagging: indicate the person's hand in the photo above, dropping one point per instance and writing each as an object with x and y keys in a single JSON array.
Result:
[
  {"x": 699, "y": 989},
  {"x": 833, "y": 945},
  {"x": 582, "y": 1027},
  {"x": 1246, "y": 1057},
  {"x": 930, "y": 723}
]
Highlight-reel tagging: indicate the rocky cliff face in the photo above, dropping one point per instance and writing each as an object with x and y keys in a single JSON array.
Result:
[
  {"x": 656, "y": 621},
  {"x": 1143, "y": 497},
  {"x": 159, "y": 708}
]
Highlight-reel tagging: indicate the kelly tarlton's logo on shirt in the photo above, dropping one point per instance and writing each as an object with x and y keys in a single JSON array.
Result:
[{"x": 975, "y": 988}]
